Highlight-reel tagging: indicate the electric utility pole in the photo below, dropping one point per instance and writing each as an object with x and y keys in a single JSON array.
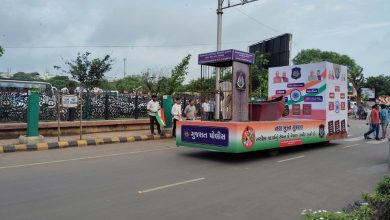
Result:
[
  {"x": 219, "y": 40},
  {"x": 124, "y": 67}
]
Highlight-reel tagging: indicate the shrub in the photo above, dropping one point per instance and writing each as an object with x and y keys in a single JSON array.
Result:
[
  {"x": 380, "y": 200},
  {"x": 362, "y": 213},
  {"x": 376, "y": 208}
]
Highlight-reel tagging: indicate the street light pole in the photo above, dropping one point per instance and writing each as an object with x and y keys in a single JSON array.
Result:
[
  {"x": 218, "y": 70},
  {"x": 219, "y": 42},
  {"x": 124, "y": 67}
]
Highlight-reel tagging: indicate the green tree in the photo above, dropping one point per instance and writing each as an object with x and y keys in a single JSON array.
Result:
[
  {"x": 177, "y": 76},
  {"x": 1, "y": 51},
  {"x": 259, "y": 77},
  {"x": 381, "y": 84},
  {"x": 160, "y": 84},
  {"x": 26, "y": 76},
  {"x": 355, "y": 72},
  {"x": 108, "y": 85},
  {"x": 59, "y": 81},
  {"x": 128, "y": 83},
  {"x": 89, "y": 73},
  {"x": 150, "y": 82}
]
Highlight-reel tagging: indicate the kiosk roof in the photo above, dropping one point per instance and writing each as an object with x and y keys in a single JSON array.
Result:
[{"x": 225, "y": 58}]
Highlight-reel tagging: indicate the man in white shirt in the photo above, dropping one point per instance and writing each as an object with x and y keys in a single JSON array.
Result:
[
  {"x": 368, "y": 122},
  {"x": 152, "y": 107},
  {"x": 176, "y": 113},
  {"x": 206, "y": 110}
]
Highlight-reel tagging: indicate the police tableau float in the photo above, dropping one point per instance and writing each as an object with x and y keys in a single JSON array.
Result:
[{"x": 306, "y": 104}]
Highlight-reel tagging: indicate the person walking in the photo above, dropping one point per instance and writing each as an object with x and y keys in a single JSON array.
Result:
[
  {"x": 374, "y": 123},
  {"x": 190, "y": 110},
  {"x": 368, "y": 121},
  {"x": 212, "y": 109},
  {"x": 206, "y": 110},
  {"x": 176, "y": 112},
  {"x": 354, "y": 111},
  {"x": 384, "y": 117},
  {"x": 152, "y": 107}
]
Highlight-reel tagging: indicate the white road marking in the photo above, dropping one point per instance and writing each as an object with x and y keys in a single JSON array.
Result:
[
  {"x": 377, "y": 142},
  {"x": 354, "y": 139},
  {"x": 293, "y": 158},
  {"x": 84, "y": 158},
  {"x": 350, "y": 135},
  {"x": 352, "y": 145},
  {"x": 170, "y": 185}
]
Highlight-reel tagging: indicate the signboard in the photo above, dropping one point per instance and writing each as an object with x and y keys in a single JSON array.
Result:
[
  {"x": 69, "y": 101},
  {"x": 213, "y": 136},
  {"x": 249, "y": 136},
  {"x": 370, "y": 93},
  {"x": 225, "y": 55}
]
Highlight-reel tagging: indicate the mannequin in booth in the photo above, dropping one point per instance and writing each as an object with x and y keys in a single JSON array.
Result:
[{"x": 225, "y": 89}]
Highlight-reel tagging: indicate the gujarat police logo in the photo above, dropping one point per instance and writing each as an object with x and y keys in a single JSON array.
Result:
[
  {"x": 296, "y": 73},
  {"x": 337, "y": 107},
  {"x": 337, "y": 71},
  {"x": 295, "y": 95},
  {"x": 240, "y": 85}
]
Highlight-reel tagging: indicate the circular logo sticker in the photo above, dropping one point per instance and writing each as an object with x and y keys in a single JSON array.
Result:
[
  {"x": 248, "y": 137},
  {"x": 295, "y": 95},
  {"x": 337, "y": 106}
]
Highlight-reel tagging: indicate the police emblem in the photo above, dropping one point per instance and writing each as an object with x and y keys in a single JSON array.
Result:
[
  {"x": 337, "y": 70},
  {"x": 296, "y": 73},
  {"x": 337, "y": 107},
  {"x": 240, "y": 82}
]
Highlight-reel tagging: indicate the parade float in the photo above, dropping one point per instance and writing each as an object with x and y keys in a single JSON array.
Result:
[{"x": 306, "y": 104}]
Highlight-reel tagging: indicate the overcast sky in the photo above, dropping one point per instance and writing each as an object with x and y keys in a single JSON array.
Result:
[{"x": 160, "y": 33}]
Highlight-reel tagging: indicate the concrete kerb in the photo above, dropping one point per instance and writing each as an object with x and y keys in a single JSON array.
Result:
[{"x": 9, "y": 148}]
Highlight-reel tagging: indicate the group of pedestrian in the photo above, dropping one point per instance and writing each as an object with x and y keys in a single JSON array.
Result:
[
  {"x": 376, "y": 118},
  {"x": 208, "y": 109},
  {"x": 189, "y": 113}
]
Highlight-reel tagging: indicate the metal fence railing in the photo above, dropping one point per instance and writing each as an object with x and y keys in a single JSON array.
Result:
[{"x": 13, "y": 107}]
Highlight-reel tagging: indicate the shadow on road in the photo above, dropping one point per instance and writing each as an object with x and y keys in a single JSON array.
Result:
[{"x": 231, "y": 158}]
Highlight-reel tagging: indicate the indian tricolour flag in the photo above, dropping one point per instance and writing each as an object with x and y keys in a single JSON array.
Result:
[{"x": 160, "y": 117}]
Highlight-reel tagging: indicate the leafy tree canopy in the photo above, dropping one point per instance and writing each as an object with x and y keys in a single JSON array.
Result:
[
  {"x": 128, "y": 83},
  {"x": 381, "y": 84},
  {"x": 90, "y": 73},
  {"x": 162, "y": 84},
  {"x": 177, "y": 76},
  {"x": 260, "y": 76},
  {"x": 59, "y": 81},
  {"x": 26, "y": 76},
  {"x": 355, "y": 72},
  {"x": 1, "y": 51}
]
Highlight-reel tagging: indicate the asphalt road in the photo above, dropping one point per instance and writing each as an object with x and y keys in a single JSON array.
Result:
[{"x": 156, "y": 180}]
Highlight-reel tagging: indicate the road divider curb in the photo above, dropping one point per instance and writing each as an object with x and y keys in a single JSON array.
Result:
[{"x": 9, "y": 148}]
